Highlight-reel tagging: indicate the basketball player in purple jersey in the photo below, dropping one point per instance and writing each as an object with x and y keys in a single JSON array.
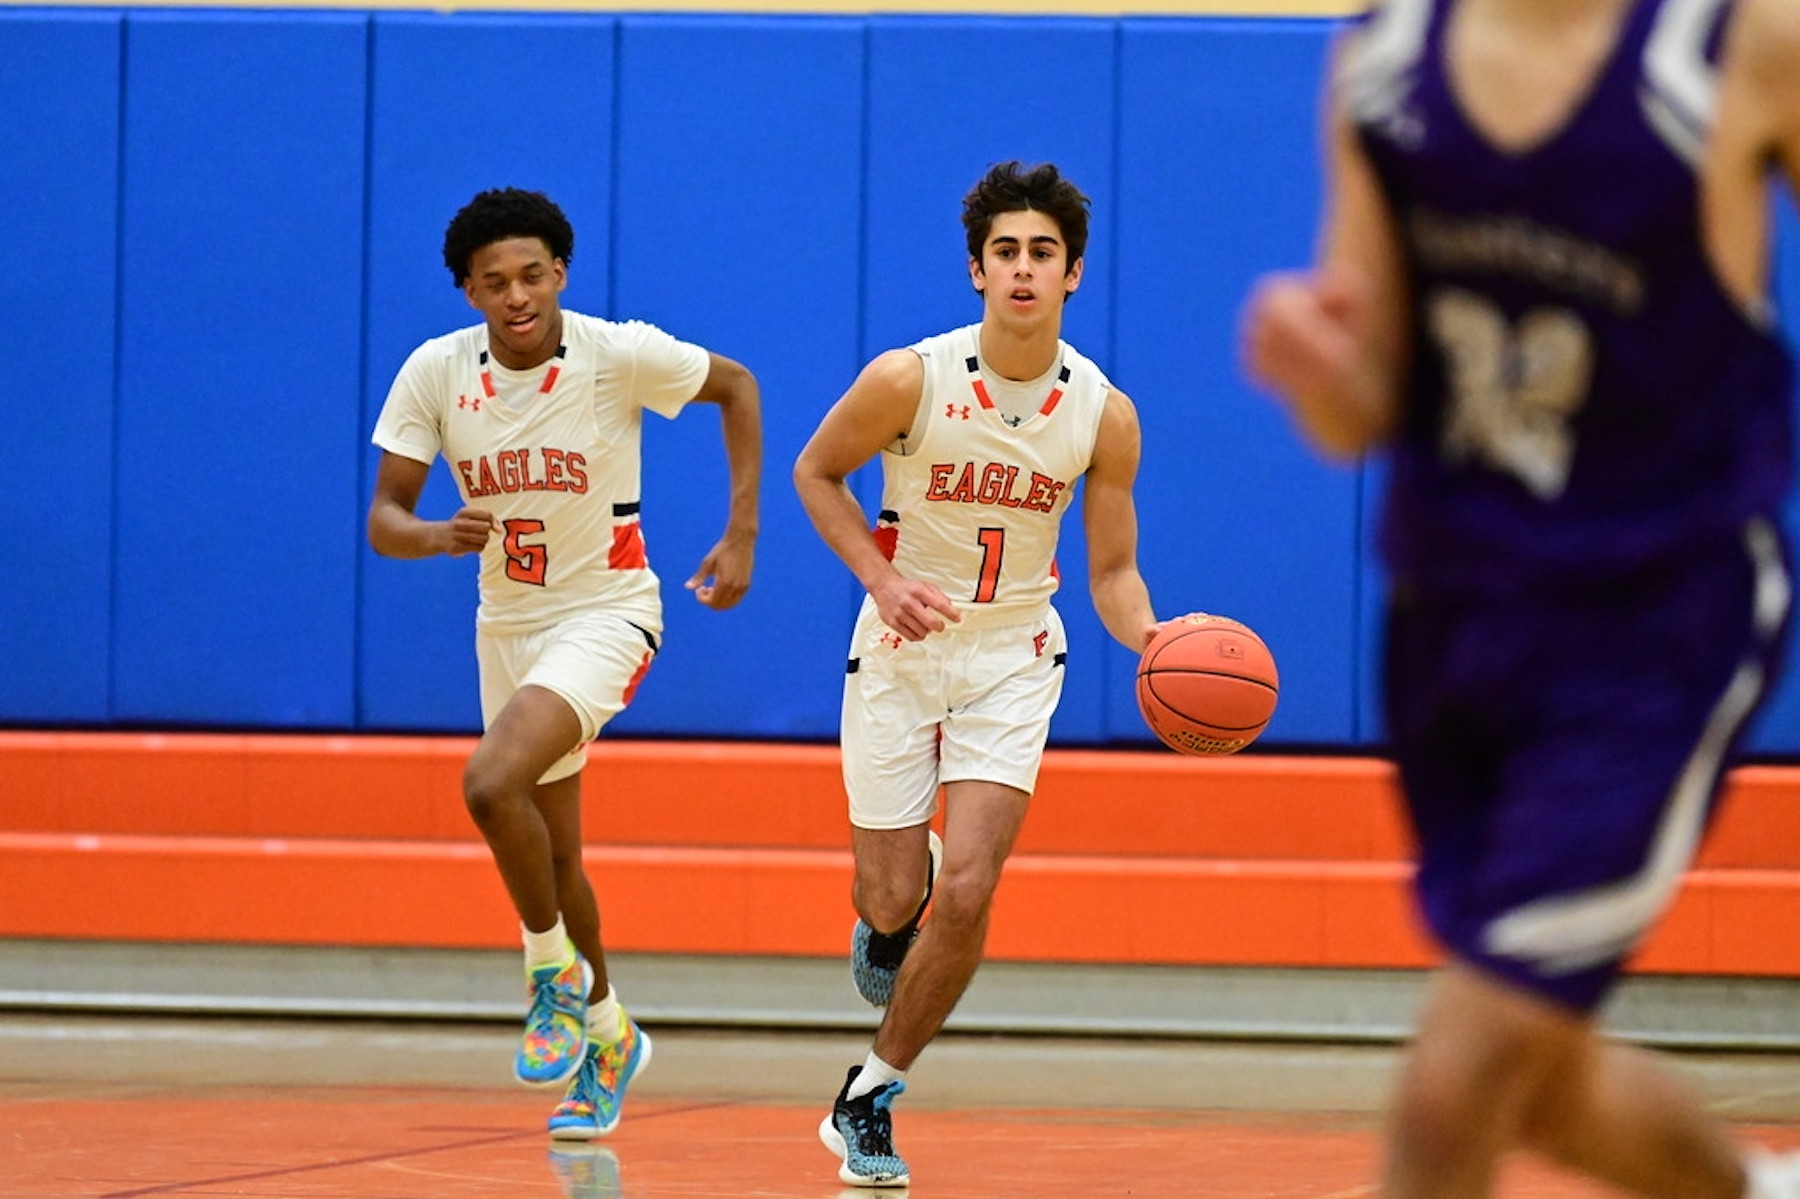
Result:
[
  {"x": 956, "y": 661},
  {"x": 538, "y": 411},
  {"x": 1542, "y": 286}
]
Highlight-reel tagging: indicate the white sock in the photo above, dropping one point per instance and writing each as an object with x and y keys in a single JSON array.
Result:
[
  {"x": 548, "y": 948},
  {"x": 874, "y": 1075},
  {"x": 606, "y": 1019},
  {"x": 1772, "y": 1175}
]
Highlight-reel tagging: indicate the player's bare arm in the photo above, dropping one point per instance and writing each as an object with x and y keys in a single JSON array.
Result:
[
  {"x": 1109, "y": 517},
  {"x": 879, "y": 407},
  {"x": 1757, "y": 129},
  {"x": 1330, "y": 343},
  {"x": 396, "y": 530},
  {"x": 724, "y": 573}
]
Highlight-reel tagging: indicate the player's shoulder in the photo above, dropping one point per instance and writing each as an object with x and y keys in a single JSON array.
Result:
[
  {"x": 899, "y": 372},
  {"x": 470, "y": 338},
  {"x": 1075, "y": 360},
  {"x": 623, "y": 328},
  {"x": 952, "y": 343},
  {"x": 437, "y": 355},
  {"x": 579, "y": 328},
  {"x": 1765, "y": 35}
]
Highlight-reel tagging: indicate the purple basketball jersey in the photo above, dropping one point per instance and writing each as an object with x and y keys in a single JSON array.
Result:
[{"x": 1585, "y": 397}]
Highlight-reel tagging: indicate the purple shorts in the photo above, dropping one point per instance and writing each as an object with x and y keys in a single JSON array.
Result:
[{"x": 1561, "y": 754}]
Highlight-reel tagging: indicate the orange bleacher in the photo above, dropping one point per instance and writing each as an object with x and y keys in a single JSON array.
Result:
[{"x": 724, "y": 848}]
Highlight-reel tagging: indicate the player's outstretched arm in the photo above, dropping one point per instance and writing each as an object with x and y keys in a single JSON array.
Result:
[
  {"x": 724, "y": 573},
  {"x": 396, "y": 531},
  {"x": 1757, "y": 129},
  {"x": 1109, "y": 517},
  {"x": 879, "y": 408},
  {"x": 1330, "y": 344}
]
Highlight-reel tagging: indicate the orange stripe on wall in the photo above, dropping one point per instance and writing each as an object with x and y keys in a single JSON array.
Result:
[{"x": 741, "y": 848}]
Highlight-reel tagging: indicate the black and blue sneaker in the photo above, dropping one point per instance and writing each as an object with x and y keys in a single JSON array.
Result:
[
  {"x": 861, "y": 1132},
  {"x": 875, "y": 957}
]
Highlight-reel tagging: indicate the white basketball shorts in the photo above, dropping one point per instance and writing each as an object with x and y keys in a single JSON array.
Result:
[
  {"x": 963, "y": 704},
  {"x": 594, "y": 661}
]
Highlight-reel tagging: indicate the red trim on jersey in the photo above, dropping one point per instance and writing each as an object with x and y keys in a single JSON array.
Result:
[
  {"x": 487, "y": 377},
  {"x": 979, "y": 386},
  {"x": 628, "y": 547},
  {"x": 637, "y": 677},
  {"x": 887, "y": 540}
]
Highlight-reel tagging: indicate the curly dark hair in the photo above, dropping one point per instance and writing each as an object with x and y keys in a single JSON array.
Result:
[
  {"x": 502, "y": 213},
  {"x": 1015, "y": 187}
]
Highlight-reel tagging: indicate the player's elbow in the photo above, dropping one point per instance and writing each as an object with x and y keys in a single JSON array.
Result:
[
  {"x": 730, "y": 384},
  {"x": 380, "y": 530}
]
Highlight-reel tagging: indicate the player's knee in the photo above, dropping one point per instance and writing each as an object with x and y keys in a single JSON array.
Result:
[
  {"x": 962, "y": 898},
  {"x": 1461, "y": 1083},
  {"x": 487, "y": 793},
  {"x": 565, "y": 862},
  {"x": 886, "y": 901},
  {"x": 1438, "y": 1118}
]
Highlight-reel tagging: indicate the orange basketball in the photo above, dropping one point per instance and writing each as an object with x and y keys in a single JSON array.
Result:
[{"x": 1207, "y": 684}]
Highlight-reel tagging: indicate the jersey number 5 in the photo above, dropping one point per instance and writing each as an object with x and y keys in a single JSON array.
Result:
[{"x": 525, "y": 563}]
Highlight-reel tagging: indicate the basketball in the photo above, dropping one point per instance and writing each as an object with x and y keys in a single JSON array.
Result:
[{"x": 1207, "y": 685}]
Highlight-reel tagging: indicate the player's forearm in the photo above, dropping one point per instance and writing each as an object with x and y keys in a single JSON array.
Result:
[
  {"x": 741, "y": 422},
  {"x": 396, "y": 533},
  {"x": 1345, "y": 417},
  {"x": 1122, "y": 601},
  {"x": 843, "y": 526}
]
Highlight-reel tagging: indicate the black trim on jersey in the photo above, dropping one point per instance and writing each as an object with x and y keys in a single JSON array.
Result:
[
  {"x": 556, "y": 365},
  {"x": 855, "y": 665},
  {"x": 562, "y": 352},
  {"x": 648, "y": 636},
  {"x": 1061, "y": 659},
  {"x": 630, "y": 509},
  {"x": 889, "y": 515}
]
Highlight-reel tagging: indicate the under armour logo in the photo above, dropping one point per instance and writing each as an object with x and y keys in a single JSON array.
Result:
[
  {"x": 1038, "y": 642},
  {"x": 473, "y": 405},
  {"x": 956, "y": 410},
  {"x": 891, "y": 640}
]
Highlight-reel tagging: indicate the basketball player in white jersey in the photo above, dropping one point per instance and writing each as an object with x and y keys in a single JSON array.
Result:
[
  {"x": 538, "y": 412},
  {"x": 956, "y": 661}
]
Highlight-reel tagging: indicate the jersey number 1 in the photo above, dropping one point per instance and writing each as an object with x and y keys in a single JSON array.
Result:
[{"x": 993, "y": 548}]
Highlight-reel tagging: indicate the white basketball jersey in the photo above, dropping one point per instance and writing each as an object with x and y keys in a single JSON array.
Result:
[
  {"x": 974, "y": 494},
  {"x": 554, "y": 453}
]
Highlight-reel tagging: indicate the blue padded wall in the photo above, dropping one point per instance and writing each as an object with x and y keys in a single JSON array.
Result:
[
  {"x": 59, "y": 153},
  {"x": 739, "y": 226},
  {"x": 1777, "y": 730},
  {"x": 437, "y": 136},
  {"x": 1217, "y": 170},
  {"x": 261, "y": 197},
  {"x": 241, "y": 282}
]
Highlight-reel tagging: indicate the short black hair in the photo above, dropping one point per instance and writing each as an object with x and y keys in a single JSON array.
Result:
[
  {"x": 501, "y": 213},
  {"x": 1015, "y": 187}
]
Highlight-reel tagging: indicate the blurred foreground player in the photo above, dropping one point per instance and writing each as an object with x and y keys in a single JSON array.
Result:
[{"x": 1542, "y": 288}]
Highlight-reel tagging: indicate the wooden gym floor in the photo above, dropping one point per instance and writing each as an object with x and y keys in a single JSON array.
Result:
[{"x": 118, "y": 1106}]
